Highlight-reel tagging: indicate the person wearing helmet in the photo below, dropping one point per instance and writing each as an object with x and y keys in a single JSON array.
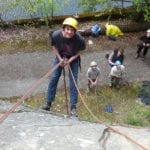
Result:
[
  {"x": 116, "y": 74},
  {"x": 66, "y": 44},
  {"x": 145, "y": 44},
  {"x": 117, "y": 54},
  {"x": 92, "y": 74}
]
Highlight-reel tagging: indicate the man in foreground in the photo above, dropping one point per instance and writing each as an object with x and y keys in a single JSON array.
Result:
[{"x": 67, "y": 44}]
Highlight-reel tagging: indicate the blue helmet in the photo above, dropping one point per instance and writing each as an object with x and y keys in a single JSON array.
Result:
[{"x": 117, "y": 63}]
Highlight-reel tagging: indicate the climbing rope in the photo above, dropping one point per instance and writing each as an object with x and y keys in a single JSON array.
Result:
[
  {"x": 97, "y": 120},
  {"x": 39, "y": 82},
  {"x": 65, "y": 87},
  {"x": 28, "y": 93}
]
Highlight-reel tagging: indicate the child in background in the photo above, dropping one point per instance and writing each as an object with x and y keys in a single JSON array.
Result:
[
  {"x": 93, "y": 73},
  {"x": 117, "y": 72}
]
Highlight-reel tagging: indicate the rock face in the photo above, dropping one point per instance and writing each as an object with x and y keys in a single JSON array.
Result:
[{"x": 34, "y": 129}]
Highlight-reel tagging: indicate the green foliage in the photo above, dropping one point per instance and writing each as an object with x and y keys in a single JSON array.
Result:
[
  {"x": 34, "y": 7},
  {"x": 143, "y": 6},
  {"x": 126, "y": 108},
  {"x": 137, "y": 86},
  {"x": 92, "y": 6},
  {"x": 139, "y": 116},
  {"x": 105, "y": 7},
  {"x": 101, "y": 5}
]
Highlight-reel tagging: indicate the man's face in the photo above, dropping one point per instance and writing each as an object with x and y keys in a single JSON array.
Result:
[
  {"x": 94, "y": 67},
  {"x": 148, "y": 34},
  {"x": 118, "y": 67},
  {"x": 68, "y": 32}
]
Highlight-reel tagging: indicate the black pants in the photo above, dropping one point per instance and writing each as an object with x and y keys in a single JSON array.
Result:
[
  {"x": 115, "y": 81},
  {"x": 89, "y": 82},
  {"x": 145, "y": 49}
]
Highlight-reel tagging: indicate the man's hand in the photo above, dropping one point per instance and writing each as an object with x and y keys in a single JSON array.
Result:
[
  {"x": 63, "y": 62},
  {"x": 93, "y": 83}
]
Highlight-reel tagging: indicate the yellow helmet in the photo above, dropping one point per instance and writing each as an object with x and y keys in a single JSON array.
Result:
[{"x": 71, "y": 22}]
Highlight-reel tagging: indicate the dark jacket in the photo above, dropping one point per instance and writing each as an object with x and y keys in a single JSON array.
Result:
[
  {"x": 116, "y": 57},
  {"x": 145, "y": 39}
]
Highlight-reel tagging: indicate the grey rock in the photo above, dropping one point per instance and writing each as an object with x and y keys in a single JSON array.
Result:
[{"x": 38, "y": 130}]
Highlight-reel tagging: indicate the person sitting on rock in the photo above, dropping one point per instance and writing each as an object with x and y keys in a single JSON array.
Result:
[
  {"x": 93, "y": 73},
  {"x": 117, "y": 54},
  {"x": 145, "y": 44}
]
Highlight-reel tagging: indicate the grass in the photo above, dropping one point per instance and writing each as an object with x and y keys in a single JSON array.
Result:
[
  {"x": 127, "y": 107},
  {"x": 139, "y": 116},
  {"x": 23, "y": 46}
]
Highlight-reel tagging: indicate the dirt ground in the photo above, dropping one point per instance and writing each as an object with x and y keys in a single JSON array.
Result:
[
  {"x": 23, "y": 50},
  {"x": 30, "y": 39}
]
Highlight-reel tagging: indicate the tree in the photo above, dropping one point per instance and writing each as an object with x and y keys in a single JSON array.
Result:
[
  {"x": 43, "y": 9},
  {"x": 143, "y": 8},
  {"x": 94, "y": 5}
]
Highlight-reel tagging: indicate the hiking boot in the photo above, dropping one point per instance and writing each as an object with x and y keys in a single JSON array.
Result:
[
  {"x": 73, "y": 113},
  {"x": 136, "y": 56},
  {"x": 47, "y": 107},
  {"x": 143, "y": 58}
]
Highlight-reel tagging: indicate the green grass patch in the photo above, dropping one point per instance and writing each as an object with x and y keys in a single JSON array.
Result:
[{"x": 127, "y": 107}]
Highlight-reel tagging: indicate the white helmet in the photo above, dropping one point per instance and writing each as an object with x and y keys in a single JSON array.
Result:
[
  {"x": 93, "y": 63},
  {"x": 148, "y": 31}
]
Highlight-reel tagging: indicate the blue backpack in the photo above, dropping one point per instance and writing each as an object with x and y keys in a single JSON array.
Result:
[
  {"x": 96, "y": 30},
  {"x": 109, "y": 109}
]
